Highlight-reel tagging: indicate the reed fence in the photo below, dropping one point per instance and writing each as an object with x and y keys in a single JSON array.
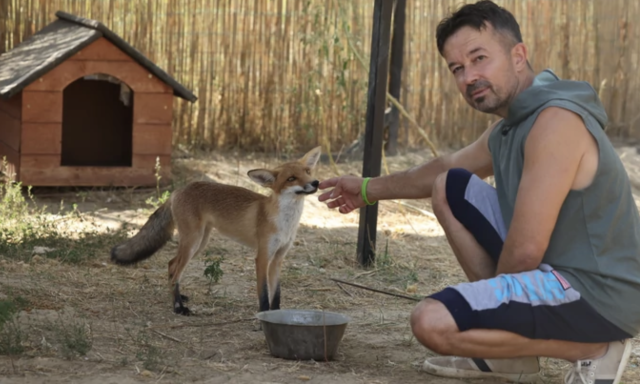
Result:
[{"x": 283, "y": 75}]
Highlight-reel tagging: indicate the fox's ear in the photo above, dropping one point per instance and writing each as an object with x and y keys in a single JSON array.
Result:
[
  {"x": 263, "y": 177},
  {"x": 311, "y": 158}
]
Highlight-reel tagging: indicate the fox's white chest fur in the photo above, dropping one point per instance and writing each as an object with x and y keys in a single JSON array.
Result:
[{"x": 289, "y": 213}]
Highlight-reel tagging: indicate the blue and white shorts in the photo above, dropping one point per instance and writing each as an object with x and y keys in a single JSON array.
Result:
[{"x": 538, "y": 304}]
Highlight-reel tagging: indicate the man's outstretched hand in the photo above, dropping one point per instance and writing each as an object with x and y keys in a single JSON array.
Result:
[{"x": 345, "y": 195}]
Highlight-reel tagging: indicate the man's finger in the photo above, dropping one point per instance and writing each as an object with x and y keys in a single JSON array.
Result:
[
  {"x": 345, "y": 209},
  {"x": 324, "y": 184},
  {"x": 336, "y": 192},
  {"x": 325, "y": 196}
]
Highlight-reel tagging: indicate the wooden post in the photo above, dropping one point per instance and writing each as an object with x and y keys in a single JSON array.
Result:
[
  {"x": 397, "y": 45},
  {"x": 378, "y": 73}
]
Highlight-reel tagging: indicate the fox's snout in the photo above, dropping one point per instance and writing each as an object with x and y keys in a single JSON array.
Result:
[
  {"x": 314, "y": 185},
  {"x": 309, "y": 188}
]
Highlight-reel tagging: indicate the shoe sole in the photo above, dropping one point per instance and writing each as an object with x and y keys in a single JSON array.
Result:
[
  {"x": 623, "y": 362},
  {"x": 456, "y": 373}
]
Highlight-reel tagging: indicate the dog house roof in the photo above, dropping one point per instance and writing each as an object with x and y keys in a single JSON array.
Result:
[{"x": 57, "y": 42}]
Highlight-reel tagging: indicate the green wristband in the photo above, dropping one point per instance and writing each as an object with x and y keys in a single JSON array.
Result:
[{"x": 364, "y": 191}]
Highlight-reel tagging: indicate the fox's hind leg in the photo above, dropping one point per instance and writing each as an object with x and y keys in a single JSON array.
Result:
[{"x": 191, "y": 243}]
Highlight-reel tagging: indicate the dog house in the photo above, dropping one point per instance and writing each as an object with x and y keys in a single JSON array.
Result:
[{"x": 80, "y": 107}]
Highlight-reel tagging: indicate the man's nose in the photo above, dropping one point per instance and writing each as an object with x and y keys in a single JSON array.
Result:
[{"x": 470, "y": 76}]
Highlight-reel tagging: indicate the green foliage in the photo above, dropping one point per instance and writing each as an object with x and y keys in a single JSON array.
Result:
[{"x": 213, "y": 270}]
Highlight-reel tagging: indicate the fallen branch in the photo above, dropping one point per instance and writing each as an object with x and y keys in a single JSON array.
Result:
[{"x": 377, "y": 290}]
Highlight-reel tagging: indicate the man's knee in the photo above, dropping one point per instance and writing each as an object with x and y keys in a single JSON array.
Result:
[
  {"x": 448, "y": 186},
  {"x": 430, "y": 326},
  {"x": 439, "y": 197}
]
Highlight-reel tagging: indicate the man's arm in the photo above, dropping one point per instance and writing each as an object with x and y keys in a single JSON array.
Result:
[
  {"x": 417, "y": 182},
  {"x": 553, "y": 153}
]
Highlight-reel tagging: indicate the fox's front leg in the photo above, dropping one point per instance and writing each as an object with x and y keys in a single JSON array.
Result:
[
  {"x": 273, "y": 281},
  {"x": 262, "y": 263}
]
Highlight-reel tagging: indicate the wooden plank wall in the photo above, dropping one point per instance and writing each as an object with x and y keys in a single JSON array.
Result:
[
  {"x": 10, "y": 114},
  {"x": 42, "y": 122}
]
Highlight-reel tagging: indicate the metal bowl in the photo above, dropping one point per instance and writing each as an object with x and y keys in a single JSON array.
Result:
[{"x": 298, "y": 334}]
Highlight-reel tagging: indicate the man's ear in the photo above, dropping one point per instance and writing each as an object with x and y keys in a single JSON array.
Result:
[
  {"x": 310, "y": 159},
  {"x": 519, "y": 56},
  {"x": 263, "y": 177}
]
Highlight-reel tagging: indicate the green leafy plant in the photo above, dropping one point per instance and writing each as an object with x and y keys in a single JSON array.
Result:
[{"x": 212, "y": 270}]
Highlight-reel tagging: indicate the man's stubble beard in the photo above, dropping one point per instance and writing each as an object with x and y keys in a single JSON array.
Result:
[{"x": 498, "y": 102}]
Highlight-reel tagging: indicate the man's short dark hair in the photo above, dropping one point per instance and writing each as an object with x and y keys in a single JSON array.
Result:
[{"x": 476, "y": 16}]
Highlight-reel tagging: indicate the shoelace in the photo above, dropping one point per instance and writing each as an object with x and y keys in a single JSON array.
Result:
[{"x": 576, "y": 372}]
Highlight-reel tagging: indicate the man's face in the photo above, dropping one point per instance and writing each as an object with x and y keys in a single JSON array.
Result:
[{"x": 483, "y": 68}]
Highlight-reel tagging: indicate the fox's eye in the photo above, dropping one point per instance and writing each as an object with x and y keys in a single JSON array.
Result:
[
  {"x": 308, "y": 171},
  {"x": 292, "y": 178}
]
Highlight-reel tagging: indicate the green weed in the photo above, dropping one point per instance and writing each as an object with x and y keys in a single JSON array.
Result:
[{"x": 212, "y": 270}]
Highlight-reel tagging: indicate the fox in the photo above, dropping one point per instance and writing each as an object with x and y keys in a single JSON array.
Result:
[{"x": 267, "y": 224}]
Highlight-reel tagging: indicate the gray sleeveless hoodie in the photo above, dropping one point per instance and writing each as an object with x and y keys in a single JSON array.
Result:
[{"x": 596, "y": 242}]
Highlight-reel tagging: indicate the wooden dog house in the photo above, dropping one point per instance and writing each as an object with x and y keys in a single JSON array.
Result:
[{"x": 80, "y": 107}]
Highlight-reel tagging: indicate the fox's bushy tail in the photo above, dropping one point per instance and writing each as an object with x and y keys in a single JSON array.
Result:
[{"x": 153, "y": 235}]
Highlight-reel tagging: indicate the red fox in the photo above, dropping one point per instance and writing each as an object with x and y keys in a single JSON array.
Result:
[{"x": 267, "y": 224}]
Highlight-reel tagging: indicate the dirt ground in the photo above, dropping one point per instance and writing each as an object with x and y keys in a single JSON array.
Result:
[{"x": 121, "y": 317}]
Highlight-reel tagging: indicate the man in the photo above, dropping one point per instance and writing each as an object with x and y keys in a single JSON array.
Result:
[{"x": 553, "y": 252}]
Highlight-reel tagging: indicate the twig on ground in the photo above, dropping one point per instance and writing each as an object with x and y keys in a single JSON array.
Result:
[
  {"x": 377, "y": 290},
  {"x": 319, "y": 289},
  {"x": 344, "y": 290},
  {"x": 161, "y": 375},
  {"x": 134, "y": 312},
  {"x": 367, "y": 273},
  {"x": 166, "y": 336}
]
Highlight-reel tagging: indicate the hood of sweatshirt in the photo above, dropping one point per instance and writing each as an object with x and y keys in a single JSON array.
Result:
[{"x": 547, "y": 87}]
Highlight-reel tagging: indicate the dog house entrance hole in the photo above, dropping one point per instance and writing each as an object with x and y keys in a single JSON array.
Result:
[{"x": 97, "y": 122}]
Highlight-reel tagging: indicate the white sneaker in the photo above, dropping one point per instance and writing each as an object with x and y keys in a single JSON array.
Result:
[
  {"x": 607, "y": 369},
  {"x": 520, "y": 370}
]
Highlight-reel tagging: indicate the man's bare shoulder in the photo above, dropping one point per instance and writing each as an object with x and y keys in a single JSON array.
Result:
[{"x": 557, "y": 124}]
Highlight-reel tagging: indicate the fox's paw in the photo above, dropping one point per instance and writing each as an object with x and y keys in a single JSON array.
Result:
[
  {"x": 181, "y": 309},
  {"x": 185, "y": 299}
]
